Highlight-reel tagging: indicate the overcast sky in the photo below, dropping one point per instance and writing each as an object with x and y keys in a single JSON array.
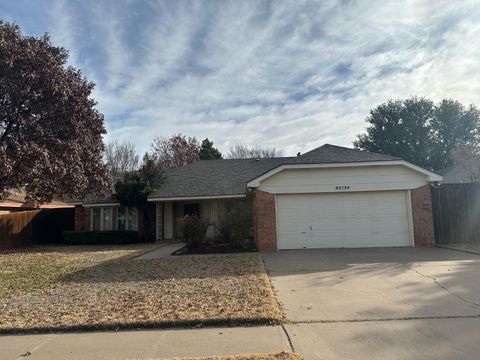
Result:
[{"x": 290, "y": 74}]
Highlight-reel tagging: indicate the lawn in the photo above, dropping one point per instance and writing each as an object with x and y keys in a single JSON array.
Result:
[
  {"x": 68, "y": 288},
  {"x": 277, "y": 356}
]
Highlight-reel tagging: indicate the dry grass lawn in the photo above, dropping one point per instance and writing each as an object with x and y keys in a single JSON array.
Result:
[
  {"x": 62, "y": 288},
  {"x": 277, "y": 356}
]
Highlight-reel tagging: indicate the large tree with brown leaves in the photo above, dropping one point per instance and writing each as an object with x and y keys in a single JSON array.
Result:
[{"x": 50, "y": 132}]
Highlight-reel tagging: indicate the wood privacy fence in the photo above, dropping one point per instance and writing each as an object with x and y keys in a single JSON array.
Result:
[
  {"x": 26, "y": 228},
  {"x": 456, "y": 213}
]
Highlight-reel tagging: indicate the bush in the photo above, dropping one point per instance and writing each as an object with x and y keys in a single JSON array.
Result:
[
  {"x": 100, "y": 237},
  {"x": 236, "y": 226},
  {"x": 193, "y": 230}
]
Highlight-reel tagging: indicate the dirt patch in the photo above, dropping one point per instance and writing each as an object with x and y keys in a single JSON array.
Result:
[{"x": 109, "y": 289}]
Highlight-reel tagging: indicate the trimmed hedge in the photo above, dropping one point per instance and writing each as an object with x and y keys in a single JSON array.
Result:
[{"x": 100, "y": 237}]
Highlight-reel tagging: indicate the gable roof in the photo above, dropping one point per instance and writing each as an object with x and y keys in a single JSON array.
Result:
[
  {"x": 229, "y": 177},
  {"x": 455, "y": 174},
  {"x": 339, "y": 154}
]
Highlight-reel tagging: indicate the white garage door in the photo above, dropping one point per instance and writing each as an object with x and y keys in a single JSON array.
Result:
[{"x": 363, "y": 219}]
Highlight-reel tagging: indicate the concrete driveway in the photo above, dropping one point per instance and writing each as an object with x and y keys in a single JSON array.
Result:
[{"x": 391, "y": 303}]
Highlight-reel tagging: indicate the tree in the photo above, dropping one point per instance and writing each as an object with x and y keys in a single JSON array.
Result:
[
  {"x": 121, "y": 158},
  {"x": 50, "y": 132},
  {"x": 208, "y": 152},
  {"x": 175, "y": 150},
  {"x": 134, "y": 188},
  {"x": 243, "y": 152},
  {"x": 419, "y": 131},
  {"x": 151, "y": 172}
]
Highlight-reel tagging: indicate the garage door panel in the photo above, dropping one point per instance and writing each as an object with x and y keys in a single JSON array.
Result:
[{"x": 342, "y": 220}]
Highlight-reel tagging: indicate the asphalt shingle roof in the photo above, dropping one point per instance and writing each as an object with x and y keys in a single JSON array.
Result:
[
  {"x": 455, "y": 174},
  {"x": 230, "y": 176}
]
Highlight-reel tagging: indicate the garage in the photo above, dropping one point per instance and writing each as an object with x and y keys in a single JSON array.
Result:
[{"x": 350, "y": 220}]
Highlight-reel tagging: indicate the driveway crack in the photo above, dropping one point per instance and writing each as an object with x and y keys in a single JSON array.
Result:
[
  {"x": 43, "y": 343},
  {"x": 447, "y": 289},
  {"x": 288, "y": 338}
]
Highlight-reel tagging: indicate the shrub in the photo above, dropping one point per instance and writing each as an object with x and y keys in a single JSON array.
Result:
[
  {"x": 100, "y": 237},
  {"x": 193, "y": 230},
  {"x": 236, "y": 226}
]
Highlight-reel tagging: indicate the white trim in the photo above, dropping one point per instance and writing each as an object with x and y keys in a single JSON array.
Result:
[
  {"x": 410, "y": 217},
  {"x": 431, "y": 175},
  {"x": 276, "y": 221},
  {"x": 197, "y": 198},
  {"x": 101, "y": 205}
]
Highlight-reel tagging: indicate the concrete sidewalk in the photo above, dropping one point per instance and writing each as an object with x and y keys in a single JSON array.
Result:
[
  {"x": 145, "y": 344},
  {"x": 162, "y": 252}
]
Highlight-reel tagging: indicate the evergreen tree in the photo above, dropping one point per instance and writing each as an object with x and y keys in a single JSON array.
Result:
[{"x": 208, "y": 152}]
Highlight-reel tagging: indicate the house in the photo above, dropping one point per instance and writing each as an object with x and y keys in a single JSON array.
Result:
[
  {"x": 329, "y": 197},
  {"x": 16, "y": 202},
  {"x": 457, "y": 174}
]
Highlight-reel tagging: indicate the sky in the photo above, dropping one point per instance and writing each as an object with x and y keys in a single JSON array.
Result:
[{"x": 289, "y": 74}]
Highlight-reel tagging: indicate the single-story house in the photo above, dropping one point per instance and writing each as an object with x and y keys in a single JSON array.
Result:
[{"x": 330, "y": 197}]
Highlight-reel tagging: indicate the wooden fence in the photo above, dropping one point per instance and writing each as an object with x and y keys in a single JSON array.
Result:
[
  {"x": 26, "y": 228},
  {"x": 456, "y": 213}
]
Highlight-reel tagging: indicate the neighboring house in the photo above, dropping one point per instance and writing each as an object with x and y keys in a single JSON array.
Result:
[
  {"x": 330, "y": 197},
  {"x": 456, "y": 174},
  {"x": 16, "y": 202}
]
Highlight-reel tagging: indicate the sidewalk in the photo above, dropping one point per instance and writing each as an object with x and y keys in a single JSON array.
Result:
[
  {"x": 164, "y": 251},
  {"x": 145, "y": 344}
]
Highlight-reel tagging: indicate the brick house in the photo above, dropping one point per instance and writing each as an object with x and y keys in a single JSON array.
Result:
[{"x": 329, "y": 197}]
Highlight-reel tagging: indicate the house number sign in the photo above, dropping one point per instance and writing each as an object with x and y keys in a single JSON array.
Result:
[{"x": 342, "y": 187}]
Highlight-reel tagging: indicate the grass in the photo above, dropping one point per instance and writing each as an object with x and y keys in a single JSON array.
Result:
[
  {"x": 88, "y": 287},
  {"x": 277, "y": 356}
]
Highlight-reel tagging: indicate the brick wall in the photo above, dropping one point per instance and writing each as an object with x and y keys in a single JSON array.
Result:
[
  {"x": 81, "y": 216},
  {"x": 422, "y": 216},
  {"x": 265, "y": 223}
]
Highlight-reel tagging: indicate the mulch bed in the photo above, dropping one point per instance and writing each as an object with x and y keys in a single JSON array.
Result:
[{"x": 90, "y": 289}]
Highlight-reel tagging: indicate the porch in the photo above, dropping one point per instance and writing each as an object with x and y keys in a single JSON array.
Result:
[{"x": 210, "y": 209}]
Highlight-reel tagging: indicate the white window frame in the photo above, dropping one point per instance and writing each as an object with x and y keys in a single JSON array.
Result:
[
  {"x": 127, "y": 215},
  {"x": 102, "y": 219}
]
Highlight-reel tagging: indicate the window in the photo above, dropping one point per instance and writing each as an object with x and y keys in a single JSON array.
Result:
[
  {"x": 191, "y": 210},
  {"x": 121, "y": 218},
  {"x": 132, "y": 219},
  {"x": 95, "y": 222},
  {"x": 107, "y": 218},
  {"x": 100, "y": 218},
  {"x": 127, "y": 218}
]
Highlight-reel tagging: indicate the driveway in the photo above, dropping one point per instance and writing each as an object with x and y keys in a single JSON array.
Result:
[{"x": 389, "y": 303}]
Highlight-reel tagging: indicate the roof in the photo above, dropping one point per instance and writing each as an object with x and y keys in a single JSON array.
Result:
[
  {"x": 455, "y": 174},
  {"x": 338, "y": 154},
  {"x": 17, "y": 200},
  {"x": 229, "y": 177},
  {"x": 214, "y": 177}
]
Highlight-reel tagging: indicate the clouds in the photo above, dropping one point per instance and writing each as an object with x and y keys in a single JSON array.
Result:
[{"x": 288, "y": 74}]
